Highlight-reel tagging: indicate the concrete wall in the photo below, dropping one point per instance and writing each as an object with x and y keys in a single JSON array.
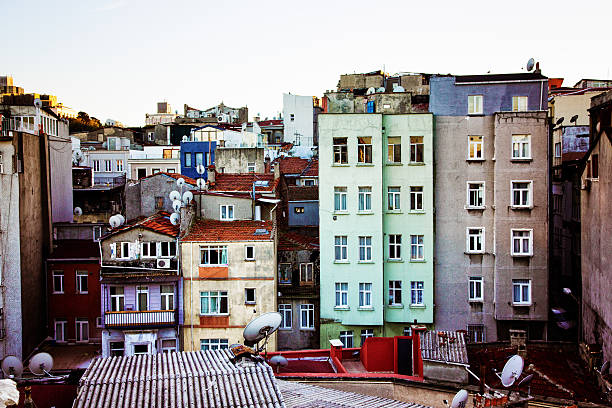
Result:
[
  {"x": 299, "y": 127},
  {"x": 152, "y": 166},
  {"x": 438, "y": 371},
  {"x": 141, "y": 197},
  {"x": 60, "y": 154},
  {"x": 567, "y": 106},
  {"x": 211, "y": 207},
  {"x": 236, "y": 159},
  {"x": 310, "y": 216},
  {"x": 135, "y": 236}
]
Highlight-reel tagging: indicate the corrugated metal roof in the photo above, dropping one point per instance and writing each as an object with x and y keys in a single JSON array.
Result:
[
  {"x": 298, "y": 395},
  {"x": 444, "y": 346},
  {"x": 186, "y": 379}
]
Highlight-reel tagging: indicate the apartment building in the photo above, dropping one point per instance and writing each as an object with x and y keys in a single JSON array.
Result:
[{"x": 376, "y": 215}]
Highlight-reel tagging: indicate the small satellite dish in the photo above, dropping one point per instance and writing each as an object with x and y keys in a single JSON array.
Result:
[
  {"x": 261, "y": 327},
  {"x": 12, "y": 366},
  {"x": 121, "y": 219},
  {"x": 398, "y": 88},
  {"x": 525, "y": 381},
  {"x": 460, "y": 399},
  {"x": 574, "y": 119},
  {"x": 559, "y": 121},
  {"x": 185, "y": 138},
  {"x": 370, "y": 91},
  {"x": 174, "y": 195},
  {"x": 78, "y": 211},
  {"x": 41, "y": 364},
  {"x": 381, "y": 89},
  {"x": 201, "y": 183},
  {"x": 605, "y": 367},
  {"x": 180, "y": 182},
  {"x": 512, "y": 370},
  {"x": 114, "y": 221},
  {"x": 278, "y": 361},
  {"x": 176, "y": 205},
  {"x": 200, "y": 169},
  {"x": 530, "y": 64},
  {"x": 175, "y": 218},
  {"x": 187, "y": 197},
  {"x": 38, "y": 103}
]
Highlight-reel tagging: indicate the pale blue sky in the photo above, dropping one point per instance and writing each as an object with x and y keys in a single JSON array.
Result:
[{"x": 117, "y": 58}]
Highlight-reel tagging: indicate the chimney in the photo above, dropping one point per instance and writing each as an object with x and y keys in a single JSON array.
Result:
[
  {"x": 277, "y": 171},
  {"x": 212, "y": 172},
  {"x": 518, "y": 339}
]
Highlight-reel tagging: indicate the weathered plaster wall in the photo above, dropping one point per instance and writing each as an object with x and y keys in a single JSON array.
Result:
[{"x": 236, "y": 159}]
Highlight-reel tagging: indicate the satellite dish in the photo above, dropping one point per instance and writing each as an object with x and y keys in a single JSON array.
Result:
[
  {"x": 381, "y": 89},
  {"x": 175, "y": 195},
  {"x": 559, "y": 121},
  {"x": 38, "y": 103},
  {"x": 512, "y": 370},
  {"x": 114, "y": 221},
  {"x": 460, "y": 399},
  {"x": 121, "y": 219},
  {"x": 370, "y": 91},
  {"x": 176, "y": 205},
  {"x": 530, "y": 64},
  {"x": 185, "y": 138},
  {"x": 175, "y": 218},
  {"x": 278, "y": 361},
  {"x": 78, "y": 211},
  {"x": 574, "y": 119},
  {"x": 180, "y": 182},
  {"x": 261, "y": 327},
  {"x": 398, "y": 88},
  {"x": 200, "y": 169},
  {"x": 187, "y": 197},
  {"x": 12, "y": 366},
  {"x": 525, "y": 381},
  {"x": 41, "y": 364},
  {"x": 201, "y": 183},
  {"x": 605, "y": 367}
]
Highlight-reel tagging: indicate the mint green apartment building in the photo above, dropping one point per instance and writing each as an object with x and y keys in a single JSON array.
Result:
[{"x": 376, "y": 224}]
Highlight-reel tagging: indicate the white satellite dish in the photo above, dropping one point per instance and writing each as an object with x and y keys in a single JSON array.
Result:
[
  {"x": 279, "y": 360},
  {"x": 176, "y": 205},
  {"x": 175, "y": 218},
  {"x": 187, "y": 197},
  {"x": 200, "y": 169},
  {"x": 121, "y": 219},
  {"x": 201, "y": 183},
  {"x": 174, "y": 195},
  {"x": 114, "y": 221},
  {"x": 185, "y": 138},
  {"x": 512, "y": 370},
  {"x": 370, "y": 91},
  {"x": 180, "y": 182},
  {"x": 530, "y": 64},
  {"x": 381, "y": 89},
  {"x": 399, "y": 88},
  {"x": 41, "y": 364},
  {"x": 78, "y": 211},
  {"x": 12, "y": 366},
  {"x": 38, "y": 103},
  {"x": 261, "y": 327},
  {"x": 460, "y": 399}
]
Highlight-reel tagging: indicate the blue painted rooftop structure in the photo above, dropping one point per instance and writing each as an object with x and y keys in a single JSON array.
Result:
[{"x": 194, "y": 153}]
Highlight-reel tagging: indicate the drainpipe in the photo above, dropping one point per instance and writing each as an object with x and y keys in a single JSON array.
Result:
[{"x": 191, "y": 295}]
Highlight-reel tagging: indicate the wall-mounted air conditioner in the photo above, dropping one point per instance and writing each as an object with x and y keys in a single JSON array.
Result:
[{"x": 163, "y": 264}]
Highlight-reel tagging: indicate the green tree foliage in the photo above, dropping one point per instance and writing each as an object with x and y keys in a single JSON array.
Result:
[{"x": 84, "y": 123}]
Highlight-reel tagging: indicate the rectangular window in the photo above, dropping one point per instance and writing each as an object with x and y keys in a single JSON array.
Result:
[
  {"x": 167, "y": 153},
  {"x": 365, "y": 199},
  {"x": 521, "y": 194},
  {"x": 108, "y": 165},
  {"x": 416, "y": 198},
  {"x": 558, "y": 149},
  {"x": 475, "y": 194},
  {"x": 476, "y": 333},
  {"x": 595, "y": 166},
  {"x": 521, "y": 146},
  {"x": 167, "y": 297},
  {"x": 308, "y": 183},
  {"x": 341, "y": 294},
  {"x": 97, "y": 233},
  {"x": 393, "y": 198},
  {"x": 417, "y": 149},
  {"x": 346, "y": 337},
  {"x": 148, "y": 249},
  {"x": 142, "y": 298},
  {"x": 249, "y": 253},
  {"x": 395, "y": 293},
  {"x": 306, "y": 274},
  {"x": 365, "y": 249},
  {"x": 250, "y": 167},
  {"x": 227, "y": 213},
  {"x": 214, "y": 344},
  {"x": 159, "y": 203},
  {"x": 474, "y": 104},
  {"x": 365, "y": 294},
  {"x": 96, "y": 165},
  {"x": 199, "y": 159},
  {"x": 394, "y": 149},
  {"x": 365, "y": 333},
  {"x": 417, "y": 248},
  {"x": 287, "y": 316},
  {"x": 522, "y": 243},
  {"x": 167, "y": 249},
  {"x": 475, "y": 148},
  {"x": 117, "y": 348},
  {"x": 213, "y": 255},
  {"x": 298, "y": 210},
  {"x": 307, "y": 317},
  {"x": 364, "y": 149},
  {"x": 58, "y": 281},
  {"x": 155, "y": 171},
  {"x": 475, "y": 294},
  {"x": 213, "y": 303},
  {"x": 187, "y": 159},
  {"x": 119, "y": 165},
  {"x": 521, "y": 292},
  {"x": 340, "y": 198},
  {"x": 60, "y": 330},
  {"x": 168, "y": 345},
  {"x": 284, "y": 273},
  {"x": 395, "y": 246},
  {"x": 82, "y": 330},
  {"x": 340, "y": 248},
  {"x": 416, "y": 293},
  {"x": 249, "y": 296},
  {"x": 81, "y": 281},
  {"x": 340, "y": 150},
  {"x": 117, "y": 298},
  {"x": 475, "y": 240},
  {"x": 123, "y": 250},
  {"x": 519, "y": 103}
]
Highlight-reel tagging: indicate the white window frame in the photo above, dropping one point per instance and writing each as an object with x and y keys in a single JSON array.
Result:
[
  {"x": 123, "y": 245},
  {"x": 520, "y": 145},
  {"x": 521, "y": 239},
  {"x": 246, "y": 253},
  {"x": 365, "y": 333},
  {"x": 60, "y": 323},
  {"x": 364, "y": 147},
  {"x": 365, "y": 295},
  {"x": 148, "y": 245},
  {"x": 520, "y": 103},
  {"x": 96, "y": 165},
  {"x": 116, "y": 304},
  {"x": 167, "y": 298},
  {"x": 79, "y": 286},
  {"x": 558, "y": 149},
  {"x": 119, "y": 164},
  {"x": 365, "y": 249},
  {"x": 394, "y": 288},
  {"x": 108, "y": 165},
  {"x": 341, "y": 248},
  {"x": 169, "y": 247},
  {"x": 340, "y": 151},
  {"x": 345, "y": 336},
  {"x": 414, "y": 195},
  {"x": 226, "y": 212},
  {"x": 521, "y": 283},
  {"x": 416, "y": 292},
  {"x": 307, "y": 316},
  {"x": 286, "y": 312},
  {"x": 209, "y": 248},
  {"x": 248, "y": 301},
  {"x": 214, "y": 344},
  {"x": 341, "y": 295},
  {"x": 475, "y": 235},
  {"x": 99, "y": 322},
  {"x": 529, "y": 192},
  {"x": 476, "y": 156},
  {"x": 395, "y": 247},
  {"x": 475, "y": 285},
  {"x": 420, "y": 247},
  {"x": 167, "y": 349},
  {"x": 391, "y": 147},
  {"x": 475, "y": 104},
  {"x": 414, "y": 148},
  {"x": 142, "y": 290},
  {"x": 219, "y": 295},
  {"x": 480, "y": 191},
  {"x": 96, "y": 232},
  {"x": 58, "y": 273},
  {"x": 393, "y": 198},
  {"x": 340, "y": 198},
  {"x": 364, "y": 199},
  {"x": 306, "y": 268},
  {"x": 81, "y": 326},
  {"x": 251, "y": 167}
]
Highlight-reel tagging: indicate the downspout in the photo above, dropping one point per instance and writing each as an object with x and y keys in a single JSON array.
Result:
[
  {"x": 541, "y": 91},
  {"x": 191, "y": 294}
]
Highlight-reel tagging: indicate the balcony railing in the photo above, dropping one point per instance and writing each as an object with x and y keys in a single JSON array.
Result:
[{"x": 147, "y": 318}]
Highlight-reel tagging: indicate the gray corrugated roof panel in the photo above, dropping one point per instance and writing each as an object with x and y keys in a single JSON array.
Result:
[
  {"x": 187, "y": 379},
  {"x": 444, "y": 346}
]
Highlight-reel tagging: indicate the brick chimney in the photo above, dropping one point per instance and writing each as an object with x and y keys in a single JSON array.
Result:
[{"x": 518, "y": 339}]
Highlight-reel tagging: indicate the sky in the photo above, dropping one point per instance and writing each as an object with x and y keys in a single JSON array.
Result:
[{"x": 117, "y": 58}]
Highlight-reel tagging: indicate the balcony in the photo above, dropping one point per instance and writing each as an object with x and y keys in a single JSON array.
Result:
[{"x": 138, "y": 319}]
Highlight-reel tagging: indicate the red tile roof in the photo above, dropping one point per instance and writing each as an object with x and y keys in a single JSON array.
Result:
[
  {"x": 312, "y": 170},
  {"x": 175, "y": 176},
  {"x": 293, "y": 241},
  {"x": 225, "y": 182},
  {"x": 226, "y": 231},
  {"x": 159, "y": 222},
  {"x": 292, "y": 165}
]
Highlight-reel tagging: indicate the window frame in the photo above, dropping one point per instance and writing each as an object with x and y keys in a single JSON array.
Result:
[
  {"x": 166, "y": 297},
  {"x": 394, "y": 197},
  {"x": 341, "y": 249},
  {"x": 557, "y": 151},
  {"x": 188, "y": 162},
  {"x": 54, "y": 274},
  {"x": 148, "y": 245},
  {"x": 247, "y": 291},
  {"x": 414, "y": 196},
  {"x": 341, "y": 295},
  {"x": 365, "y": 295},
  {"x": 391, "y": 150},
  {"x": 521, "y": 144},
  {"x": 364, "y": 199},
  {"x": 229, "y": 208},
  {"x": 340, "y": 151},
  {"x": 516, "y": 103},
  {"x": 63, "y": 323},
  {"x": 307, "y": 309},
  {"x": 394, "y": 289},
  {"x": 529, "y": 191},
  {"x": 169, "y": 247},
  {"x": 306, "y": 265},
  {"x": 414, "y": 149},
  {"x": 286, "y": 309},
  {"x": 474, "y": 105},
  {"x": 416, "y": 292},
  {"x": 367, "y": 153},
  {"x": 79, "y": 274},
  {"x": 214, "y": 344},
  {"x": 482, "y": 191},
  {"x": 209, "y": 248},
  {"x": 530, "y": 243},
  {"x": 365, "y": 333},
  {"x": 346, "y": 335},
  {"x": 117, "y": 300},
  {"x": 220, "y": 294},
  {"x": 394, "y": 252},
  {"x": 521, "y": 283},
  {"x": 475, "y": 284},
  {"x": 365, "y": 248},
  {"x": 289, "y": 269},
  {"x": 420, "y": 244},
  {"x": 340, "y": 199},
  {"x": 476, "y": 156},
  {"x": 468, "y": 240},
  {"x": 79, "y": 323},
  {"x": 246, "y": 253}
]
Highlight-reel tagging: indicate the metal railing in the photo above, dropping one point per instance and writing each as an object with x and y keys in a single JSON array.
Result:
[{"x": 140, "y": 318}]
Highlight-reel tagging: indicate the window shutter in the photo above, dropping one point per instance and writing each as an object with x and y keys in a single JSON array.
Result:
[{"x": 113, "y": 249}]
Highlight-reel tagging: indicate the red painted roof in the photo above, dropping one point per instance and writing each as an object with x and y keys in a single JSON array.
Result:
[
  {"x": 242, "y": 182},
  {"x": 226, "y": 231},
  {"x": 292, "y": 165},
  {"x": 293, "y": 241},
  {"x": 272, "y": 122},
  {"x": 175, "y": 176},
  {"x": 312, "y": 170},
  {"x": 159, "y": 222}
]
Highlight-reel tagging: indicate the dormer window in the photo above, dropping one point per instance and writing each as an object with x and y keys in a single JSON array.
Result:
[{"x": 227, "y": 213}]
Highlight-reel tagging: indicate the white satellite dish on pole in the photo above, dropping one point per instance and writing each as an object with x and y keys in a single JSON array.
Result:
[
  {"x": 201, "y": 183},
  {"x": 201, "y": 169},
  {"x": 121, "y": 219},
  {"x": 38, "y": 103},
  {"x": 530, "y": 64},
  {"x": 180, "y": 182},
  {"x": 114, "y": 221},
  {"x": 78, "y": 211},
  {"x": 176, "y": 205},
  {"x": 460, "y": 399},
  {"x": 187, "y": 197},
  {"x": 12, "y": 367},
  {"x": 512, "y": 370},
  {"x": 175, "y": 218},
  {"x": 261, "y": 328},
  {"x": 41, "y": 364},
  {"x": 174, "y": 195}
]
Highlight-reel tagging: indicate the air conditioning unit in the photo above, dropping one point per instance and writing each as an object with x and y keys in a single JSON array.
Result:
[{"x": 163, "y": 264}]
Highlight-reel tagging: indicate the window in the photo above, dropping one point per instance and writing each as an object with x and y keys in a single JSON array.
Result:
[
  {"x": 365, "y": 333},
  {"x": 119, "y": 165},
  {"x": 341, "y": 294},
  {"x": 417, "y": 149},
  {"x": 108, "y": 165},
  {"x": 339, "y": 198},
  {"x": 123, "y": 250},
  {"x": 557, "y": 203},
  {"x": 416, "y": 198},
  {"x": 284, "y": 273},
  {"x": 558, "y": 149},
  {"x": 148, "y": 249},
  {"x": 475, "y": 294},
  {"x": 474, "y": 104},
  {"x": 287, "y": 316},
  {"x": 213, "y": 255},
  {"x": 340, "y": 248},
  {"x": 117, "y": 348},
  {"x": 519, "y": 103},
  {"x": 365, "y": 295},
  {"x": 168, "y": 345},
  {"x": 475, "y": 148},
  {"x": 395, "y": 246},
  {"x": 292, "y": 116},
  {"x": 393, "y": 195},
  {"x": 214, "y": 344},
  {"x": 298, "y": 210},
  {"x": 159, "y": 203},
  {"x": 249, "y": 253},
  {"x": 521, "y": 147},
  {"x": 475, "y": 240},
  {"x": 306, "y": 275},
  {"x": 250, "y": 167},
  {"x": 227, "y": 212},
  {"x": 521, "y": 193},
  {"x": 187, "y": 159},
  {"x": 167, "y": 249},
  {"x": 96, "y": 165},
  {"x": 308, "y": 182},
  {"x": 346, "y": 337},
  {"x": 394, "y": 149},
  {"x": 340, "y": 150},
  {"x": 81, "y": 281},
  {"x": 365, "y": 199},
  {"x": 82, "y": 329},
  {"x": 167, "y": 297},
  {"x": 416, "y": 293},
  {"x": 141, "y": 349},
  {"x": 170, "y": 170},
  {"x": 213, "y": 303},
  {"x": 475, "y": 194},
  {"x": 417, "y": 248},
  {"x": 99, "y": 322},
  {"x": 364, "y": 149},
  {"x": 58, "y": 281},
  {"x": 155, "y": 171},
  {"x": 60, "y": 330},
  {"x": 249, "y": 296},
  {"x": 142, "y": 298},
  {"x": 521, "y": 292},
  {"x": 365, "y": 249},
  {"x": 117, "y": 298},
  {"x": 395, "y": 293},
  {"x": 595, "y": 166},
  {"x": 167, "y": 153},
  {"x": 97, "y": 233},
  {"x": 307, "y": 317},
  {"x": 521, "y": 242},
  {"x": 476, "y": 333}
]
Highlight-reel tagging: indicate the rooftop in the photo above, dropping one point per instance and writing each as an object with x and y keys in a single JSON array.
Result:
[
  {"x": 293, "y": 241},
  {"x": 522, "y": 76},
  {"x": 175, "y": 176},
  {"x": 226, "y": 231},
  {"x": 444, "y": 346},
  {"x": 243, "y": 182},
  {"x": 71, "y": 357},
  {"x": 291, "y": 165},
  {"x": 159, "y": 222},
  {"x": 85, "y": 249}
]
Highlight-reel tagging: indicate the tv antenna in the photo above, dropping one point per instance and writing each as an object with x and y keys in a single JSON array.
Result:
[
  {"x": 200, "y": 169},
  {"x": 526, "y": 382},
  {"x": 260, "y": 329},
  {"x": 41, "y": 364},
  {"x": 180, "y": 182},
  {"x": 174, "y": 195},
  {"x": 114, "y": 221},
  {"x": 175, "y": 218},
  {"x": 176, "y": 205},
  {"x": 187, "y": 197},
  {"x": 559, "y": 121}
]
